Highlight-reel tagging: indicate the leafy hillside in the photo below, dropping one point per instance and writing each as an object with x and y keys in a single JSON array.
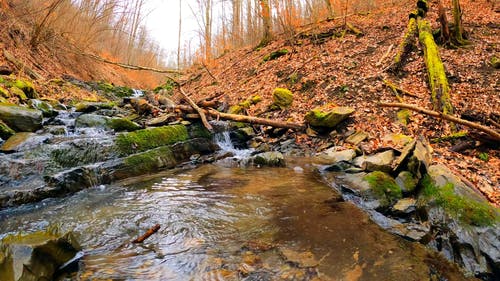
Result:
[{"x": 328, "y": 63}]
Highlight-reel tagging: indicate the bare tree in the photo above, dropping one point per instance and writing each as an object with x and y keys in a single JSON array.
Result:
[{"x": 266, "y": 20}]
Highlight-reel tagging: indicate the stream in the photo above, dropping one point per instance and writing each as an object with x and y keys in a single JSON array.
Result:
[{"x": 224, "y": 223}]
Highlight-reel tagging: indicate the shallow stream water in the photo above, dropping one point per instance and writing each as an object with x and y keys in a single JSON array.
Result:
[{"x": 225, "y": 223}]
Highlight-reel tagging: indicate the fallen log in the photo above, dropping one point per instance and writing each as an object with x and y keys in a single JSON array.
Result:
[
  {"x": 406, "y": 45},
  {"x": 440, "y": 90},
  {"x": 196, "y": 107},
  {"x": 489, "y": 131},
  {"x": 146, "y": 235},
  {"x": 245, "y": 118}
]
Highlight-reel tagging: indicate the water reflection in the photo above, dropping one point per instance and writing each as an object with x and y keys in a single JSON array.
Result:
[{"x": 221, "y": 223}]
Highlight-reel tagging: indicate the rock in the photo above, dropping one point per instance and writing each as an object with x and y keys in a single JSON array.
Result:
[
  {"x": 142, "y": 106},
  {"x": 46, "y": 109},
  {"x": 145, "y": 139},
  {"x": 88, "y": 107},
  {"x": 405, "y": 153},
  {"x": 383, "y": 188},
  {"x": 333, "y": 155},
  {"x": 57, "y": 130},
  {"x": 301, "y": 259},
  {"x": 161, "y": 120},
  {"x": 378, "y": 162},
  {"x": 328, "y": 119},
  {"x": 398, "y": 139},
  {"x": 21, "y": 119},
  {"x": 463, "y": 219},
  {"x": 4, "y": 93},
  {"x": 35, "y": 256},
  {"x": 421, "y": 159},
  {"x": 405, "y": 206},
  {"x": 271, "y": 158},
  {"x": 16, "y": 92},
  {"x": 356, "y": 138},
  {"x": 5, "y": 131},
  {"x": 240, "y": 136},
  {"x": 282, "y": 98},
  {"x": 410, "y": 231},
  {"x": 92, "y": 120},
  {"x": 27, "y": 87},
  {"x": 119, "y": 124},
  {"x": 406, "y": 182},
  {"x": 23, "y": 141},
  {"x": 166, "y": 102},
  {"x": 55, "y": 103}
]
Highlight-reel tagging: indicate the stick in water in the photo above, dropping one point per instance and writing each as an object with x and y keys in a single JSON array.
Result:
[{"x": 146, "y": 235}]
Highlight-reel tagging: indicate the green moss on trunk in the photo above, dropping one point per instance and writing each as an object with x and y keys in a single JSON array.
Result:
[
  {"x": 440, "y": 90},
  {"x": 406, "y": 44}
]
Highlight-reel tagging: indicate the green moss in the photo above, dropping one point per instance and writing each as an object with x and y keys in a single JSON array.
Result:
[
  {"x": 235, "y": 109},
  {"x": 282, "y": 98},
  {"x": 4, "y": 93},
  {"x": 453, "y": 136},
  {"x": 465, "y": 209},
  {"x": 18, "y": 93},
  {"x": 150, "y": 161},
  {"x": 384, "y": 187},
  {"x": 483, "y": 156},
  {"x": 5, "y": 131},
  {"x": 167, "y": 86},
  {"x": 275, "y": 55},
  {"x": 122, "y": 124},
  {"x": 435, "y": 69},
  {"x": 27, "y": 87},
  {"x": 119, "y": 91},
  {"x": 495, "y": 62},
  {"x": 199, "y": 131},
  {"x": 404, "y": 116},
  {"x": 142, "y": 140}
]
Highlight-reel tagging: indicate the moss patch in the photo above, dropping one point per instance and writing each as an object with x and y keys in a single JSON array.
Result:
[
  {"x": 27, "y": 87},
  {"x": 146, "y": 139},
  {"x": 122, "y": 124},
  {"x": 167, "y": 86},
  {"x": 384, "y": 187},
  {"x": 5, "y": 131},
  {"x": 275, "y": 55},
  {"x": 149, "y": 161},
  {"x": 329, "y": 119},
  {"x": 465, "y": 209}
]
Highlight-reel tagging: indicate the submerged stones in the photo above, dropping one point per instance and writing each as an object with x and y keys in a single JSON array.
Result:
[{"x": 270, "y": 158}]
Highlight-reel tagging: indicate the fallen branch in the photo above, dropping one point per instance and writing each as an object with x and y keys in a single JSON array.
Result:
[
  {"x": 379, "y": 62},
  {"x": 21, "y": 66},
  {"x": 397, "y": 90},
  {"x": 196, "y": 107},
  {"x": 146, "y": 235},
  {"x": 246, "y": 119},
  {"x": 447, "y": 117}
]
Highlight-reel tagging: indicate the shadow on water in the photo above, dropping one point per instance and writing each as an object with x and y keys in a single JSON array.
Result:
[{"x": 220, "y": 223}]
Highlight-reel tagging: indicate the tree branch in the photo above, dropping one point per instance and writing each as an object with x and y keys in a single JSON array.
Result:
[{"x": 447, "y": 117}]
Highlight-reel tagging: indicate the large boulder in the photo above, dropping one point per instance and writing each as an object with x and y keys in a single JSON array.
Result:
[
  {"x": 465, "y": 224},
  {"x": 87, "y": 107},
  {"x": 45, "y": 107},
  {"x": 23, "y": 141},
  {"x": 21, "y": 119},
  {"x": 5, "y": 131},
  {"x": 333, "y": 155},
  {"x": 117, "y": 124},
  {"x": 330, "y": 118},
  {"x": 35, "y": 256}
]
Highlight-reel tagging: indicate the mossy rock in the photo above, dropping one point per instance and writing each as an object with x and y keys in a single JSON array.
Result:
[
  {"x": 16, "y": 92},
  {"x": 406, "y": 181},
  {"x": 27, "y": 87},
  {"x": 5, "y": 131},
  {"x": 46, "y": 109},
  {"x": 142, "y": 140},
  {"x": 270, "y": 158},
  {"x": 282, "y": 98},
  {"x": 122, "y": 124},
  {"x": 21, "y": 119},
  {"x": 4, "y": 93},
  {"x": 384, "y": 187},
  {"x": 166, "y": 87},
  {"x": 440, "y": 187},
  {"x": 495, "y": 62},
  {"x": 328, "y": 119},
  {"x": 93, "y": 106},
  {"x": 274, "y": 55}
]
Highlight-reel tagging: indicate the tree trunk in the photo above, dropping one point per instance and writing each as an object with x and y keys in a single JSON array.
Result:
[
  {"x": 208, "y": 30},
  {"x": 440, "y": 90},
  {"x": 445, "y": 30},
  {"x": 329, "y": 6},
  {"x": 179, "y": 37},
  {"x": 266, "y": 19},
  {"x": 457, "y": 20}
]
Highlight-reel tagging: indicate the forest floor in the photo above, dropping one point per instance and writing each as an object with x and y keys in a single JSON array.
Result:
[{"x": 349, "y": 71}]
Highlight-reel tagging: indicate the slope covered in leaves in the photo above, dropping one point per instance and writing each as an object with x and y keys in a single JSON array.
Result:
[{"x": 349, "y": 70}]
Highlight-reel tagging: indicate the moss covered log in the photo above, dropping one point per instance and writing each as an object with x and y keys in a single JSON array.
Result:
[{"x": 440, "y": 90}]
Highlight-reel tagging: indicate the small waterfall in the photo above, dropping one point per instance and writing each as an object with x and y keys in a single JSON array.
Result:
[{"x": 223, "y": 139}]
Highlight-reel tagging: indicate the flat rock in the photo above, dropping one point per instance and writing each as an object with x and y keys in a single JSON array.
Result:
[
  {"x": 329, "y": 119},
  {"x": 378, "y": 162},
  {"x": 161, "y": 120},
  {"x": 333, "y": 155},
  {"x": 21, "y": 119},
  {"x": 23, "y": 141},
  {"x": 356, "y": 138},
  {"x": 405, "y": 206}
]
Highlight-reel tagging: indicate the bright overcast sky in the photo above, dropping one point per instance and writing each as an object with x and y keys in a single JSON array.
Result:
[{"x": 163, "y": 22}]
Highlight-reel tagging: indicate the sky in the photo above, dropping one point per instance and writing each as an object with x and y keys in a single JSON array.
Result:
[{"x": 162, "y": 21}]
